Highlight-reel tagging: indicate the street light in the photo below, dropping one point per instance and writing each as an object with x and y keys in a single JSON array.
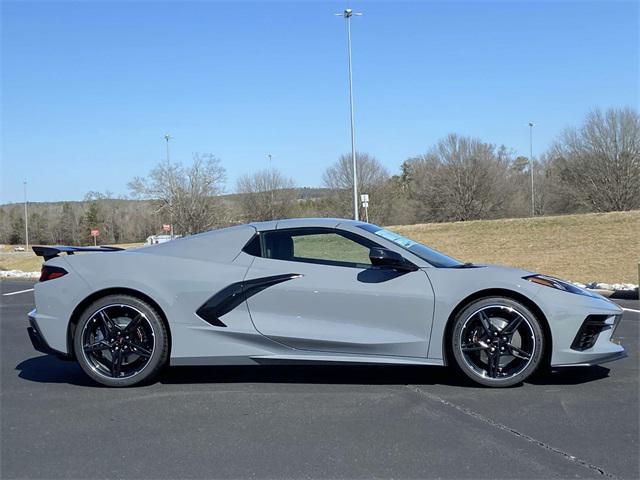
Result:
[
  {"x": 26, "y": 219},
  {"x": 271, "y": 177},
  {"x": 347, "y": 14},
  {"x": 533, "y": 202},
  {"x": 167, "y": 137}
]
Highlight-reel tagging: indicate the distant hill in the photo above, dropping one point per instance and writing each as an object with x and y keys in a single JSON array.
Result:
[{"x": 301, "y": 193}]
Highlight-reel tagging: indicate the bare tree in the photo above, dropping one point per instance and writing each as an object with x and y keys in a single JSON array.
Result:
[
  {"x": 266, "y": 195},
  {"x": 599, "y": 163},
  {"x": 187, "y": 196},
  {"x": 372, "y": 177},
  {"x": 461, "y": 178},
  {"x": 67, "y": 227}
]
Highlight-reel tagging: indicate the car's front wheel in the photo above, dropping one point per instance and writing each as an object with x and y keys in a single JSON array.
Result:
[
  {"x": 497, "y": 341},
  {"x": 121, "y": 341}
]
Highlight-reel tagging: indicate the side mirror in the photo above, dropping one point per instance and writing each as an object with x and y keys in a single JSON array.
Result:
[{"x": 381, "y": 257}]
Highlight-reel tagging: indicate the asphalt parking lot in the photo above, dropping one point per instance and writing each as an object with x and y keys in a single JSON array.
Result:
[{"x": 320, "y": 422}]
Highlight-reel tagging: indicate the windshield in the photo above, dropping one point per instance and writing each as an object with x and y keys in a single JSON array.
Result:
[{"x": 434, "y": 257}]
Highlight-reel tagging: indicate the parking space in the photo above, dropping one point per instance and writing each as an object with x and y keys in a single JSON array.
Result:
[{"x": 315, "y": 421}]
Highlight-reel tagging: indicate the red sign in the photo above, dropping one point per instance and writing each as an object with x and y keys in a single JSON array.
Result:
[
  {"x": 166, "y": 227},
  {"x": 95, "y": 232}
]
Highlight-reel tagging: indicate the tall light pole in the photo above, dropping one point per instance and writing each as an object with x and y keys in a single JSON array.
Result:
[
  {"x": 272, "y": 178},
  {"x": 347, "y": 14},
  {"x": 167, "y": 137},
  {"x": 533, "y": 201},
  {"x": 26, "y": 218}
]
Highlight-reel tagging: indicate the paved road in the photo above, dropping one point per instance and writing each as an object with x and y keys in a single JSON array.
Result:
[{"x": 300, "y": 422}]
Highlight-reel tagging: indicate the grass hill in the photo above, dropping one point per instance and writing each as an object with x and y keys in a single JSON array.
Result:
[{"x": 603, "y": 247}]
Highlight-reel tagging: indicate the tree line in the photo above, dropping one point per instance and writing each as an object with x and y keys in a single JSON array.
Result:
[{"x": 593, "y": 167}]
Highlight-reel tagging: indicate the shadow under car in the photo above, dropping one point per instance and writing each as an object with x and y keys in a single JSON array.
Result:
[{"x": 50, "y": 369}]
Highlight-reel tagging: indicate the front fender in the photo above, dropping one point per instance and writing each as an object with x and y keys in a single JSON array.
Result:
[{"x": 454, "y": 288}]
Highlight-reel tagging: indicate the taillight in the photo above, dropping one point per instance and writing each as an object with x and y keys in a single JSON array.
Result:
[{"x": 49, "y": 273}]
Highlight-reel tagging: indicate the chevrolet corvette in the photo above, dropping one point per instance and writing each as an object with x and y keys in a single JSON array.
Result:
[{"x": 323, "y": 291}]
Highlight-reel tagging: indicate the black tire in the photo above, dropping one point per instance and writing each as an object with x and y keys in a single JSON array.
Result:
[
  {"x": 485, "y": 348},
  {"x": 117, "y": 351}
]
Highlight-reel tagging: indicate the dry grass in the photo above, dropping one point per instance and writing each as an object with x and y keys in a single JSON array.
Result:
[
  {"x": 28, "y": 261},
  {"x": 603, "y": 247}
]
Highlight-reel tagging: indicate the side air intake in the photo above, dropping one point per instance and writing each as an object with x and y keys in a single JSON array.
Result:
[{"x": 230, "y": 297}]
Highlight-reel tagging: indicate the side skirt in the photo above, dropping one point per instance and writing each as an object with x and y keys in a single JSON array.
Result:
[{"x": 302, "y": 359}]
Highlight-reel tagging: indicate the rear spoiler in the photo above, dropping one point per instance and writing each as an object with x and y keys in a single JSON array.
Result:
[{"x": 51, "y": 252}]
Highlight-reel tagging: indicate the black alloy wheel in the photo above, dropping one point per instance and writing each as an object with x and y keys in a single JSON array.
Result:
[
  {"x": 122, "y": 342},
  {"x": 497, "y": 342}
]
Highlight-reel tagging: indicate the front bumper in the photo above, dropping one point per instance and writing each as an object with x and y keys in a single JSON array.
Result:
[
  {"x": 599, "y": 360},
  {"x": 593, "y": 343}
]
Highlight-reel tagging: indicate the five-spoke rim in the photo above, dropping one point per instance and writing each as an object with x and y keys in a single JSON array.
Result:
[
  {"x": 118, "y": 341},
  {"x": 497, "y": 342}
]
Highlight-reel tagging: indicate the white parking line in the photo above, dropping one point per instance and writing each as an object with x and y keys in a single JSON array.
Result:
[
  {"x": 631, "y": 310},
  {"x": 16, "y": 293}
]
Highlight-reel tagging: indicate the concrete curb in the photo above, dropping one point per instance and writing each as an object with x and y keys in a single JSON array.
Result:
[
  {"x": 604, "y": 293},
  {"x": 626, "y": 294},
  {"x": 617, "y": 294}
]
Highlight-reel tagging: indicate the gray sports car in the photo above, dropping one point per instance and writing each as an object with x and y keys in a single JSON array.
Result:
[{"x": 309, "y": 290}]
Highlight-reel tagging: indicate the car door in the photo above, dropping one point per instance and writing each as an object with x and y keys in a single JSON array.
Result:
[{"x": 317, "y": 290}]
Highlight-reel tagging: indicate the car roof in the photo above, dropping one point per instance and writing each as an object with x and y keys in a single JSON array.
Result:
[{"x": 303, "y": 222}]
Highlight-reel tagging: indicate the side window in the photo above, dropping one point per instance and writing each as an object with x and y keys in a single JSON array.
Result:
[
  {"x": 326, "y": 246},
  {"x": 330, "y": 246}
]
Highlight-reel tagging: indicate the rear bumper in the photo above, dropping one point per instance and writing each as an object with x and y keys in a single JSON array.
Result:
[{"x": 38, "y": 341}]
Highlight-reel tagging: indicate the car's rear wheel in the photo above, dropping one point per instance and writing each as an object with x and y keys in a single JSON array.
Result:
[
  {"x": 497, "y": 341},
  {"x": 121, "y": 341}
]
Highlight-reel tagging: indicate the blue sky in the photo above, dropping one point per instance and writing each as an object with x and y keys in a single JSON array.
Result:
[{"x": 90, "y": 88}]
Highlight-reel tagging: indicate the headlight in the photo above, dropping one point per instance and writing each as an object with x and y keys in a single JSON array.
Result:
[{"x": 558, "y": 285}]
